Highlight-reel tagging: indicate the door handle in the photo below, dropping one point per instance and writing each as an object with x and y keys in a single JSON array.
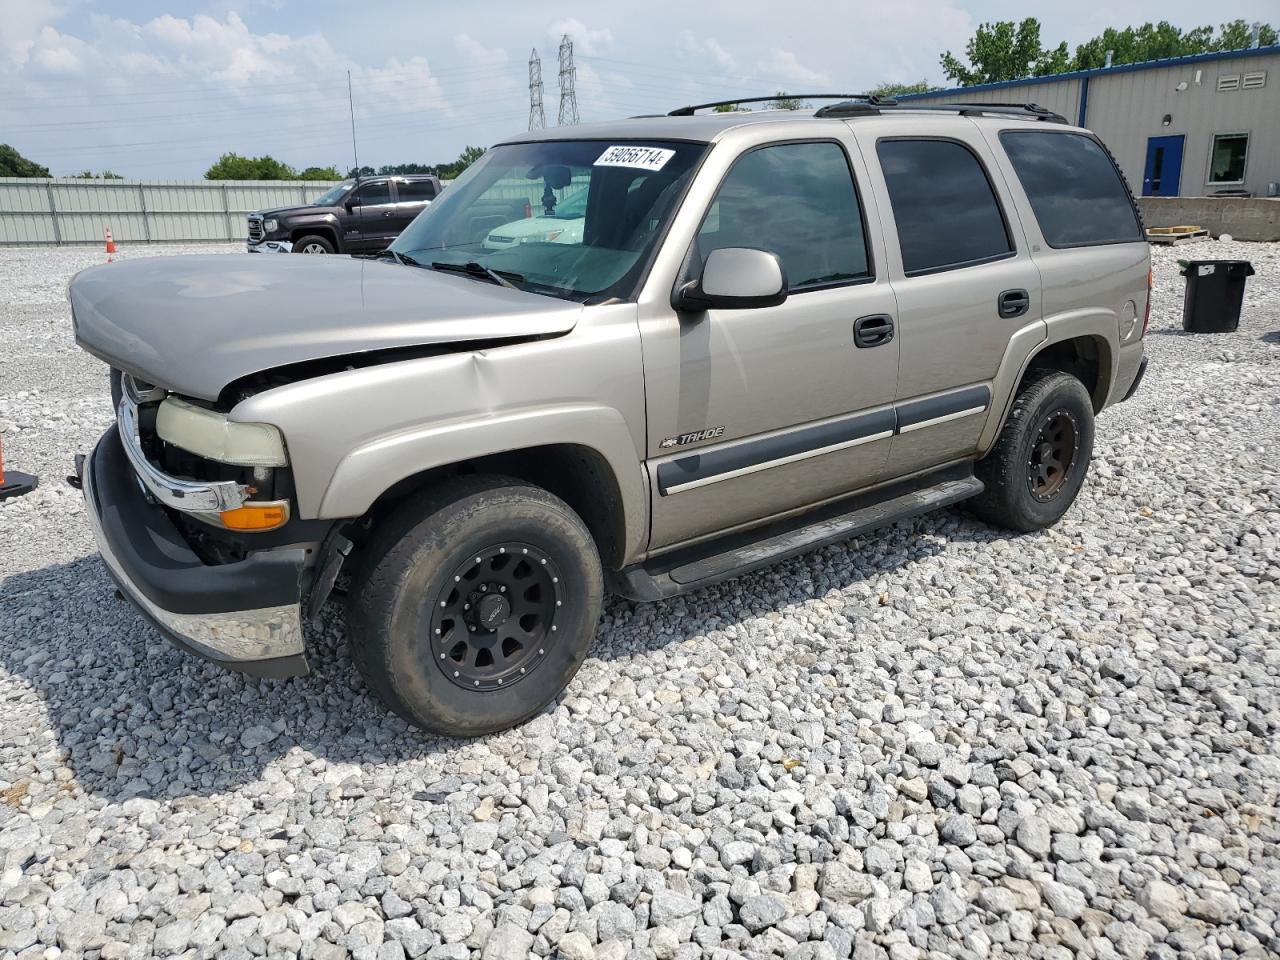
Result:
[
  {"x": 873, "y": 331},
  {"x": 1013, "y": 303},
  {"x": 388, "y": 213}
]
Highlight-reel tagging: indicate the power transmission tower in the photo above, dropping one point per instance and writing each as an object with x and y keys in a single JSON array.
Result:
[
  {"x": 537, "y": 118},
  {"x": 568, "y": 96}
]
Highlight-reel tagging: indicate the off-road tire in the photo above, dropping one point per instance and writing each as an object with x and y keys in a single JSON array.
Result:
[
  {"x": 414, "y": 558},
  {"x": 1049, "y": 398},
  {"x": 300, "y": 245}
]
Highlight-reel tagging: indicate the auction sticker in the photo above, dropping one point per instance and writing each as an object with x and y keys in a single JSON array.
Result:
[{"x": 646, "y": 158}]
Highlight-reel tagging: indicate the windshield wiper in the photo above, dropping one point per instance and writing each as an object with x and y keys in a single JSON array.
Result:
[
  {"x": 503, "y": 278},
  {"x": 399, "y": 257}
]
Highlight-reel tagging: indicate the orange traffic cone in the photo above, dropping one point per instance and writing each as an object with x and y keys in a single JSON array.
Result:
[
  {"x": 111, "y": 244},
  {"x": 13, "y": 483}
]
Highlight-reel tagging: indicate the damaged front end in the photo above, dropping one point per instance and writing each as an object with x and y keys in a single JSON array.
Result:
[{"x": 192, "y": 513}]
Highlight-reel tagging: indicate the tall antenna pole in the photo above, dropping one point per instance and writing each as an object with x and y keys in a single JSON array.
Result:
[
  {"x": 537, "y": 118},
  {"x": 351, "y": 104},
  {"x": 568, "y": 96}
]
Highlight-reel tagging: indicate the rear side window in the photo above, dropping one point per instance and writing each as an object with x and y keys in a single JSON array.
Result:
[
  {"x": 1074, "y": 188},
  {"x": 796, "y": 200},
  {"x": 945, "y": 209},
  {"x": 415, "y": 190}
]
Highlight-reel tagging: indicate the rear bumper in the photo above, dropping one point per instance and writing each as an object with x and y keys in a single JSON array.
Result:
[
  {"x": 1133, "y": 387},
  {"x": 245, "y": 615}
]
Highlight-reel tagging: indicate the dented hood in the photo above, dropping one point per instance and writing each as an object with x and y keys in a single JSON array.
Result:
[{"x": 194, "y": 324}]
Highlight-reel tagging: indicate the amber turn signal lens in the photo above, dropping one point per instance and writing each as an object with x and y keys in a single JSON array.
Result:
[{"x": 256, "y": 516}]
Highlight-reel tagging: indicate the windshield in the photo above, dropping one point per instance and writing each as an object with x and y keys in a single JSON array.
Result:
[
  {"x": 613, "y": 197},
  {"x": 333, "y": 194}
]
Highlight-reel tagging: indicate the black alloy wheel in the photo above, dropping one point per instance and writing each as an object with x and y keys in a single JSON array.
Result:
[
  {"x": 495, "y": 619},
  {"x": 1052, "y": 454}
]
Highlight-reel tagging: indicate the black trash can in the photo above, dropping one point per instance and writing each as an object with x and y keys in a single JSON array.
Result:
[{"x": 1215, "y": 291}]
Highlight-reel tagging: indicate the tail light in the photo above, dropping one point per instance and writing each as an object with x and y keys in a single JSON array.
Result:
[{"x": 1146, "y": 317}]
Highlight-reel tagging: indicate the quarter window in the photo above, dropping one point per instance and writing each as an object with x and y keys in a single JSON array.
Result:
[
  {"x": 1226, "y": 161},
  {"x": 943, "y": 204},
  {"x": 796, "y": 200},
  {"x": 1074, "y": 188}
]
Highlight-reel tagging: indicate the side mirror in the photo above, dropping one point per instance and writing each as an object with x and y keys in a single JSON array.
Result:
[
  {"x": 349, "y": 206},
  {"x": 734, "y": 278}
]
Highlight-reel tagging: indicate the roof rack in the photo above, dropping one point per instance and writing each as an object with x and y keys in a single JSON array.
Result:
[
  {"x": 1030, "y": 110},
  {"x": 869, "y": 98}
]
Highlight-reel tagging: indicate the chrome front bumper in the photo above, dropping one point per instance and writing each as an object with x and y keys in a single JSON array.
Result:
[
  {"x": 147, "y": 558},
  {"x": 268, "y": 246}
]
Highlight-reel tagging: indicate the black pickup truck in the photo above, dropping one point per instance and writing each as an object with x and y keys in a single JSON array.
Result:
[{"x": 356, "y": 216}]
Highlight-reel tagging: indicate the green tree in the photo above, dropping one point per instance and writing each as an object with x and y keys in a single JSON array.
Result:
[
  {"x": 14, "y": 164},
  {"x": 320, "y": 173},
  {"x": 465, "y": 159},
  {"x": 784, "y": 102},
  {"x": 232, "y": 166},
  {"x": 1005, "y": 51},
  {"x": 731, "y": 108},
  {"x": 1136, "y": 44},
  {"x": 361, "y": 172},
  {"x": 902, "y": 89},
  {"x": 1238, "y": 34},
  {"x": 403, "y": 168},
  {"x": 104, "y": 175}
]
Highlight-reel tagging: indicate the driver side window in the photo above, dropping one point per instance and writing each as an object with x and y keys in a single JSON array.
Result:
[
  {"x": 796, "y": 200},
  {"x": 372, "y": 194}
]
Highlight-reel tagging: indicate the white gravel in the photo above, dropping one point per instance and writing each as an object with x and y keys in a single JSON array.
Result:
[{"x": 939, "y": 740}]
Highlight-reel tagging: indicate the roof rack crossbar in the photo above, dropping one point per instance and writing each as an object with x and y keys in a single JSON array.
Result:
[{"x": 689, "y": 110}]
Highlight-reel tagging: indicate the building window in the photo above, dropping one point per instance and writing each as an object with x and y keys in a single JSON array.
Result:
[{"x": 1226, "y": 159}]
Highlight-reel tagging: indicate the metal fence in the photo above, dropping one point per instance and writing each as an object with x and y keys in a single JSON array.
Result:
[{"x": 71, "y": 210}]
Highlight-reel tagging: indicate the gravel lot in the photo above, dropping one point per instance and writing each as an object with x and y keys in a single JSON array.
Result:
[{"x": 937, "y": 741}]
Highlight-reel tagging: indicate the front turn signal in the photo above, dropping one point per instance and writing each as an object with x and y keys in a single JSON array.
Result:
[{"x": 256, "y": 516}]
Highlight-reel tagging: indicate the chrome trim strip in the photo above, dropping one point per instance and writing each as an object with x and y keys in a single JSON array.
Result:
[
  {"x": 184, "y": 495},
  {"x": 261, "y": 634},
  {"x": 794, "y": 458},
  {"x": 943, "y": 419}
]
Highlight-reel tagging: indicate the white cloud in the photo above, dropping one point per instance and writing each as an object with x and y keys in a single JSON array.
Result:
[
  {"x": 785, "y": 66},
  {"x": 592, "y": 42},
  {"x": 21, "y": 24},
  {"x": 706, "y": 52}
]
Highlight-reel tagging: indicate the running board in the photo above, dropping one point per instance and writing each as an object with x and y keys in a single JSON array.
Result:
[{"x": 699, "y": 566}]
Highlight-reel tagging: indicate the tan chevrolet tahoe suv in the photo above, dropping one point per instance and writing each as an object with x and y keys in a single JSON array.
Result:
[{"x": 764, "y": 331}]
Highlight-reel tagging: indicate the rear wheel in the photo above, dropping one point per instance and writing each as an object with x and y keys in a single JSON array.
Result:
[
  {"x": 475, "y": 605},
  {"x": 312, "y": 244},
  {"x": 1039, "y": 462}
]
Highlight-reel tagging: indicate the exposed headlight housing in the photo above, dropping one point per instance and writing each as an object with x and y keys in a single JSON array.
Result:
[
  {"x": 215, "y": 437},
  {"x": 270, "y": 225}
]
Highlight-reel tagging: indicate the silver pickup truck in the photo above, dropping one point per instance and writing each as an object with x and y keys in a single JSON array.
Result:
[{"x": 768, "y": 331}]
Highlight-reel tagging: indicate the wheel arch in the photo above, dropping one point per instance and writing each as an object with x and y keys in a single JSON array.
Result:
[
  {"x": 583, "y": 454},
  {"x": 1079, "y": 346},
  {"x": 326, "y": 230},
  {"x": 579, "y": 475}
]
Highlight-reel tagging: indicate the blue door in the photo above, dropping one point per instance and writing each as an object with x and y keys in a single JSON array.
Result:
[{"x": 1164, "y": 167}]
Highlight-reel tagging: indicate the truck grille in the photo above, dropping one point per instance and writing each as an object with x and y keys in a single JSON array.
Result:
[{"x": 255, "y": 229}]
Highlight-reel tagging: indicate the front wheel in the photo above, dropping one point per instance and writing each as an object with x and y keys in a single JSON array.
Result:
[
  {"x": 475, "y": 605},
  {"x": 312, "y": 244},
  {"x": 1039, "y": 462}
]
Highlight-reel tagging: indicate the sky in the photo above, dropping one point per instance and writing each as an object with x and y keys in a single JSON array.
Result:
[{"x": 158, "y": 90}]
